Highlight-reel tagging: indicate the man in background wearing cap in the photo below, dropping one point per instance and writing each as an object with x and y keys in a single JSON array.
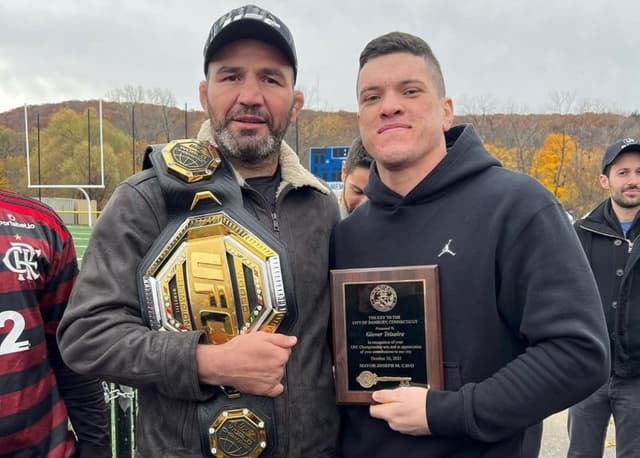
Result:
[
  {"x": 608, "y": 235},
  {"x": 250, "y": 66}
]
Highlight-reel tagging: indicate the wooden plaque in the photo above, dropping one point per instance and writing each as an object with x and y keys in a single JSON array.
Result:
[{"x": 386, "y": 330}]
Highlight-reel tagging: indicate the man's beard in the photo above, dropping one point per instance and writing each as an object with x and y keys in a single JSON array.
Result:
[
  {"x": 247, "y": 146},
  {"x": 624, "y": 202}
]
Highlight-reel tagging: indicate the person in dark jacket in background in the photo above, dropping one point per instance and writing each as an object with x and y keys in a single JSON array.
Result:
[
  {"x": 250, "y": 97},
  {"x": 523, "y": 331},
  {"x": 38, "y": 392},
  {"x": 609, "y": 234},
  {"x": 355, "y": 176}
]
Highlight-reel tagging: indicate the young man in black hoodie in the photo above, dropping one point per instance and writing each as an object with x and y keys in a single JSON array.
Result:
[
  {"x": 608, "y": 235},
  {"x": 523, "y": 331}
]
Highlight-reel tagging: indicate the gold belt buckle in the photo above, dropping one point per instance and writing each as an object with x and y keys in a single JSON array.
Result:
[
  {"x": 215, "y": 275},
  {"x": 237, "y": 433}
]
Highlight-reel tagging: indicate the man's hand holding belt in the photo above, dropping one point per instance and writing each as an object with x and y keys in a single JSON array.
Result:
[{"x": 252, "y": 363}]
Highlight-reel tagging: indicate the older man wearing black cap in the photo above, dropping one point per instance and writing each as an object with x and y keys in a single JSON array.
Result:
[
  {"x": 608, "y": 235},
  {"x": 277, "y": 397}
]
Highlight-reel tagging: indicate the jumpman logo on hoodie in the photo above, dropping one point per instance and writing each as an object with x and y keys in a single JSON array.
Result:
[{"x": 446, "y": 249}]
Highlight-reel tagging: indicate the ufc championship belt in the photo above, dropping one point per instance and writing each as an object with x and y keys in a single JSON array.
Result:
[{"x": 215, "y": 268}]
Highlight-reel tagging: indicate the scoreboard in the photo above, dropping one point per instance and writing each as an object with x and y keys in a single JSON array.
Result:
[{"x": 326, "y": 162}]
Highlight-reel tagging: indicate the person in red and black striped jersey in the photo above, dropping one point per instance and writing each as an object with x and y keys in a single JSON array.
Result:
[{"x": 38, "y": 392}]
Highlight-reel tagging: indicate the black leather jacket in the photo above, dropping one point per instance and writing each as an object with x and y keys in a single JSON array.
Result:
[{"x": 104, "y": 334}]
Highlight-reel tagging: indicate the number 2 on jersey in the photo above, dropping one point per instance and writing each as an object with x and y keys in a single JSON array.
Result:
[{"x": 10, "y": 343}]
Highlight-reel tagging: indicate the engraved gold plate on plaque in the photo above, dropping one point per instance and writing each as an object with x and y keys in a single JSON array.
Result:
[
  {"x": 237, "y": 433},
  {"x": 215, "y": 275},
  {"x": 190, "y": 160}
]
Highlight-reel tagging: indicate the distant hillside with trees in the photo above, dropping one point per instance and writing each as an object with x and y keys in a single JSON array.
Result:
[{"x": 562, "y": 150}]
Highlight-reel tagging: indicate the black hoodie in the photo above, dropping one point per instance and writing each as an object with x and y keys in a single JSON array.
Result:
[{"x": 524, "y": 334}]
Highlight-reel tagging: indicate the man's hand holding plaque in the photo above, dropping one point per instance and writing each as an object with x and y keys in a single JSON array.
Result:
[
  {"x": 251, "y": 363},
  {"x": 398, "y": 408}
]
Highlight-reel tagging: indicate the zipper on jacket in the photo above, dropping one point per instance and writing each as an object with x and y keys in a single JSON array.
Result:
[
  {"x": 274, "y": 209},
  {"x": 267, "y": 208},
  {"x": 630, "y": 243},
  {"x": 606, "y": 234},
  {"x": 274, "y": 220}
]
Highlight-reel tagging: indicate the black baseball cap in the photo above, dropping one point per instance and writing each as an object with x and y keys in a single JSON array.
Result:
[
  {"x": 250, "y": 21},
  {"x": 619, "y": 147}
]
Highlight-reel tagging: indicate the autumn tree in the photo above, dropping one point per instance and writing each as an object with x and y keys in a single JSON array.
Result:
[
  {"x": 507, "y": 156},
  {"x": 148, "y": 115},
  {"x": 15, "y": 173},
  {"x": 479, "y": 110},
  {"x": 9, "y": 144},
  {"x": 523, "y": 133},
  {"x": 67, "y": 156},
  {"x": 586, "y": 192},
  {"x": 552, "y": 163},
  {"x": 165, "y": 101},
  {"x": 4, "y": 181}
]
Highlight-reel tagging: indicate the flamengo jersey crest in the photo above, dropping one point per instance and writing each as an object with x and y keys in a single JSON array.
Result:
[{"x": 22, "y": 259}]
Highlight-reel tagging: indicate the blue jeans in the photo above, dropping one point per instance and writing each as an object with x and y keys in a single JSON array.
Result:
[{"x": 588, "y": 420}]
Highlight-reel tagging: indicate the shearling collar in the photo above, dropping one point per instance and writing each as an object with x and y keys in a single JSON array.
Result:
[{"x": 292, "y": 171}]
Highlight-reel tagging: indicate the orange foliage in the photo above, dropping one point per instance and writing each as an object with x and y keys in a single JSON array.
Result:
[
  {"x": 552, "y": 164},
  {"x": 507, "y": 156},
  {"x": 586, "y": 191},
  {"x": 4, "y": 181}
]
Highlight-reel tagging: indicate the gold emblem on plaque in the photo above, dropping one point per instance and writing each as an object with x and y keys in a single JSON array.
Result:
[
  {"x": 237, "y": 433},
  {"x": 383, "y": 298},
  {"x": 190, "y": 160},
  {"x": 217, "y": 276}
]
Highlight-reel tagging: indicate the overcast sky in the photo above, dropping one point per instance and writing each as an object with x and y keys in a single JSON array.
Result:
[{"x": 508, "y": 55}]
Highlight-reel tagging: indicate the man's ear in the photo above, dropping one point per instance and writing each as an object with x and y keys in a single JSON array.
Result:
[
  {"x": 298, "y": 103},
  {"x": 202, "y": 92},
  {"x": 447, "y": 119},
  {"x": 343, "y": 171},
  {"x": 604, "y": 181}
]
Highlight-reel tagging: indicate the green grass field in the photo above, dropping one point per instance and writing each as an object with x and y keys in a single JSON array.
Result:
[{"x": 80, "y": 236}]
